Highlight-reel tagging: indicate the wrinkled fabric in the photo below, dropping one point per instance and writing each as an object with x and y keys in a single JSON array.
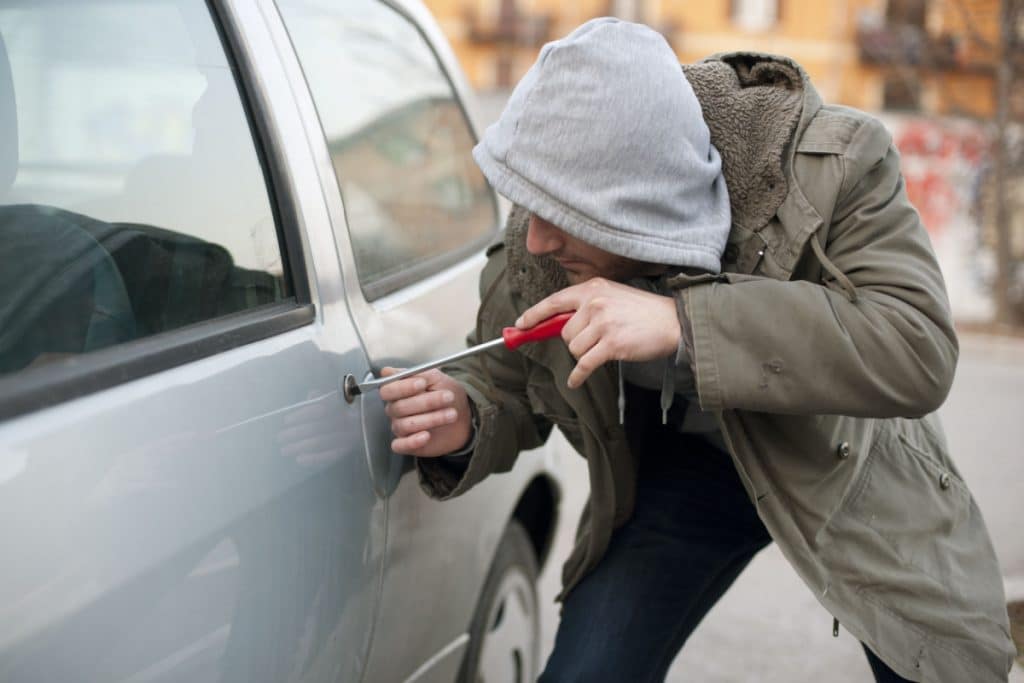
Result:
[{"x": 825, "y": 400}]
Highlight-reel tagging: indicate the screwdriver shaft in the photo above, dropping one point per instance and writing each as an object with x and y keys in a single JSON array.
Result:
[{"x": 376, "y": 383}]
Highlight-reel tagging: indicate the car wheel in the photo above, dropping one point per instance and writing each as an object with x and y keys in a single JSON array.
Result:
[{"x": 504, "y": 641}]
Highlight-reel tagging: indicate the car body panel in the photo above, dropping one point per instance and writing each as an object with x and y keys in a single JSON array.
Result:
[
  {"x": 190, "y": 518},
  {"x": 234, "y": 518},
  {"x": 413, "y": 325}
]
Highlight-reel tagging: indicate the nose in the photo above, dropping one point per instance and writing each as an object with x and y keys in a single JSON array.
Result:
[{"x": 542, "y": 237}]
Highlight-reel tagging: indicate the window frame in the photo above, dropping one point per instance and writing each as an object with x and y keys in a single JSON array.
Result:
[
  {"x": 414, "y": 274},
  {"x": 33, "y": 389},
  {"x": 740, "y": 18}
]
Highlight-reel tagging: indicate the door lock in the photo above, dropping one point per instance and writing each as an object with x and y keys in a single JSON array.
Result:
[{"x": 350, "y": 388}]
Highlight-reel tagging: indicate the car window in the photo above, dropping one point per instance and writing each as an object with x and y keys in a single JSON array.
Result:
[
  {"x": 132, "y": 198},
  {"x": 398, "y": 138}
]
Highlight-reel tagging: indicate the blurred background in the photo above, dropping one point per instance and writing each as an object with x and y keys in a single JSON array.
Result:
[
  {"x": 944, "y": 75},
  {"x": 947, "y": 78}
]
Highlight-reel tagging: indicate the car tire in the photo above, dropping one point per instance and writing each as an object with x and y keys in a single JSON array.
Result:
[{"x": 504, "y": 634}]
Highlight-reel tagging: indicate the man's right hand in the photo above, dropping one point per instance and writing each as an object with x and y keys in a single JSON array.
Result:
[{"x": 430, "y": 414}]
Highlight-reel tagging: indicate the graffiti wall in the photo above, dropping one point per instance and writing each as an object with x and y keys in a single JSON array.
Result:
[{"x": 944, "y": 162}]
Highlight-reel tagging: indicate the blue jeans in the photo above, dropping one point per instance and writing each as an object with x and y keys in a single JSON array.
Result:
[{"x": 692, "y": 533}]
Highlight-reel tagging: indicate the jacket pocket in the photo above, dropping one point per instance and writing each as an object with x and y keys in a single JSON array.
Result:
[{"x": 915, "y": 505}]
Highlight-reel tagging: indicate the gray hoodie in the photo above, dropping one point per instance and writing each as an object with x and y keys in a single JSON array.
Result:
[{"x": 604, "y": 138}]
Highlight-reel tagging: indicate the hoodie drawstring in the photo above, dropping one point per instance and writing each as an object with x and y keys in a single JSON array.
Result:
[
  {"x": 668, "y": 388},
  {"x": 833, "y": 270},
  {"x": 622, "y": 395}
]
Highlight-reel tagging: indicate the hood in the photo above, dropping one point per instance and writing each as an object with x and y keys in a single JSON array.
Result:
[
  {"x": 604, "y": 138},
  {"x": 754, "y": 106}
]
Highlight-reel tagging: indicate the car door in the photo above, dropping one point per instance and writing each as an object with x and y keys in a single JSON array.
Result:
[
  {"x": 184, "y": 493},
  {"x": 411, "y": 214}
]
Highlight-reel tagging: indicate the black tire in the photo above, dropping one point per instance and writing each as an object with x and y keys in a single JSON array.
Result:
[{"x": 508, "y": 600}]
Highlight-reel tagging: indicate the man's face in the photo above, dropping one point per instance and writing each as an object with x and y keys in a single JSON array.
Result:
[{"x": 580, "y": 260}]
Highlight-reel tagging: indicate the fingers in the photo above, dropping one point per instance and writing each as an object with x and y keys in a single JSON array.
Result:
[
  {"x": 407, "y": 426},
  {"x": 583, "y": 333},
  {"x": 575, "y": 298},
  {"x": 563, "y": 301},
  {"x": 429, "y": 413},
  {"x": 423, "y": 402},
  {"x": 583, "y": 340},
  {"x": 411, "y": 445},
  {"x": 591, "y": 360},
  {"x": 590, "y": 342},
  {"x": 413, "y": 407},
  {"x": 403, "y": 388},
  {"x": 574, "y": 325}
]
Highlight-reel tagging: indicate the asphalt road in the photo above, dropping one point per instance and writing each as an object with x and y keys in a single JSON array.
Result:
[{"x": 769, "y": 627}]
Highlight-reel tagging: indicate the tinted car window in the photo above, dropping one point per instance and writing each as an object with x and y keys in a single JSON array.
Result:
[
  {"x": 132, "y": 199},
  {"x": 398, "y": 138}
]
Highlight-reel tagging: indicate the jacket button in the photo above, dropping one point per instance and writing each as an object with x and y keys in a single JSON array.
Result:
[
  {"x": 944, "y": 481},
  {"x": 844, "y": 450}
]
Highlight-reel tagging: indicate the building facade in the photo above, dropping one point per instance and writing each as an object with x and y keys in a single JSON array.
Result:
[{"x": 932, "y": 56}]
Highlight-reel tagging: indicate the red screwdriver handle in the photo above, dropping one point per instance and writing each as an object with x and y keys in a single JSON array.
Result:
[{"x": 546, "y": 329}]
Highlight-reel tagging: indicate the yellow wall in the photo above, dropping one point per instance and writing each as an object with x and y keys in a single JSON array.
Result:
[{"x": 821, "y": 36}]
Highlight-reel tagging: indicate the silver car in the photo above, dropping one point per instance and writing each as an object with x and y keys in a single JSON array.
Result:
[{"x": 211, "y": 213}]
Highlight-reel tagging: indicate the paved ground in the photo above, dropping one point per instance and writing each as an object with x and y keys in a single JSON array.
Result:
[{"x": 769, "y": 627}]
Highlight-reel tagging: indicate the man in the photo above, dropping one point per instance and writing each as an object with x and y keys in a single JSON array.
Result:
[{"x": 787, "y": 398}]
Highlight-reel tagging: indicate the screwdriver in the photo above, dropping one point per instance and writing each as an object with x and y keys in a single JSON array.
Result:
[{"x": 511, "y": 338}]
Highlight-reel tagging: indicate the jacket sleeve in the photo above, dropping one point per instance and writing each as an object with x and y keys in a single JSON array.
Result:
[
  {"x": 800, "y": 347},
  {"x": 506, "y": 424}
]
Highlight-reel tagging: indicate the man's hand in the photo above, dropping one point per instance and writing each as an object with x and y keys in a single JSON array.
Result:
[
  {"x": 429, "y": 413},
  {"x": 612, "y": 322}
]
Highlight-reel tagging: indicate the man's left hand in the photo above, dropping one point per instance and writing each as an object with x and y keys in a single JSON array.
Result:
[{"x": 612, "y": 322}]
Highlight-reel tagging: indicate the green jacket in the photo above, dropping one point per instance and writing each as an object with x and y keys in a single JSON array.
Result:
[{"x": 823, "y": 348}]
